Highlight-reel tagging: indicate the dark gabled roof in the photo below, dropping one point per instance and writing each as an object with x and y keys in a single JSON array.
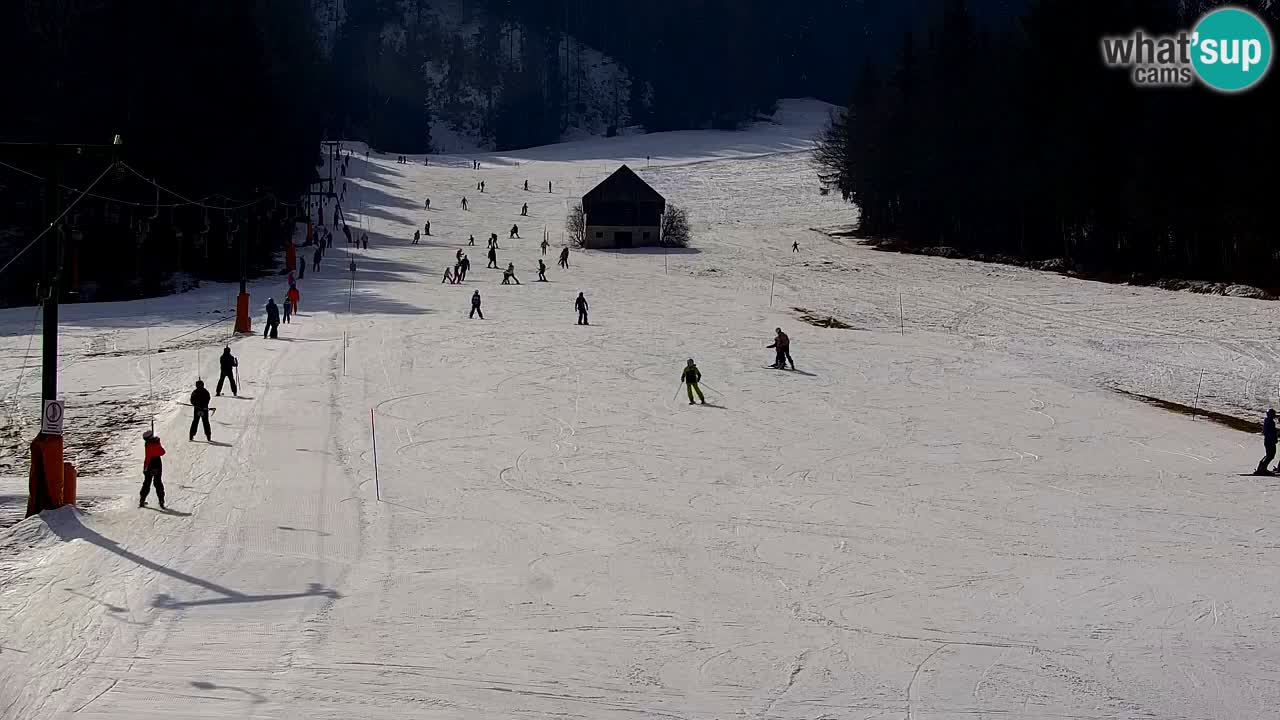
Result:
[{"x": 622, "y": 185}]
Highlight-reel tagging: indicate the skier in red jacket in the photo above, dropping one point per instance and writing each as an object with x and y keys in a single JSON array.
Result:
[{"x": 152, "y": 468}]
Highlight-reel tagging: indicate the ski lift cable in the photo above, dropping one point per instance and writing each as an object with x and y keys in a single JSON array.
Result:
[
  {"x": 58, "y": 219},
  {"x": 31, "y": 336},
  {"x": 157, "y": 203}
]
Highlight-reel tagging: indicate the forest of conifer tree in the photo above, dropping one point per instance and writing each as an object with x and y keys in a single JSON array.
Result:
[{"x": 1020, "y": 143}]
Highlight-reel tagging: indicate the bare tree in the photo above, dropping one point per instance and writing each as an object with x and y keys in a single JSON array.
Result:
[
  {"x": 575, "y": 225},
  {"x": 675, "y": 227}
]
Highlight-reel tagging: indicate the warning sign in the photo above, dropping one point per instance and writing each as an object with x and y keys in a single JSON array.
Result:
[{"x": 51, "y": 419}]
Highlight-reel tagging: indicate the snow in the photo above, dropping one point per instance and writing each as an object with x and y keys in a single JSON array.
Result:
[{"x": 947, "y": 512}]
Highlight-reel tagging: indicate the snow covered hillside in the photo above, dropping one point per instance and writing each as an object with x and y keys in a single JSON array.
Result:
[{"x": 946, "y": 511}]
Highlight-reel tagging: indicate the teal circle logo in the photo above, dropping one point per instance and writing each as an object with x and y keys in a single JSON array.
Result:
[{"x": 1231, "y": 49}]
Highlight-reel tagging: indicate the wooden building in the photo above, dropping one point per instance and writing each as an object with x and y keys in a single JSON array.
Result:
[{"x": 622, "y": 212}]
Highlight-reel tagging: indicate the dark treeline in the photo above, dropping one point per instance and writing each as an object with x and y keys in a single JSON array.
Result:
[
  {"x": 216, "y": 100},
  {"x": 712, "y": 63},
  {"x": 1020, "y": 142},
  {"x": 690, "y": 63}
]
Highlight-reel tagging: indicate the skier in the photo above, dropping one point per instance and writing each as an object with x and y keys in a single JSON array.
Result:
[
  {"x": 782, "y": 346},
  {"x": 526, "y": 186},
  {"x": 457, "y": 257},
  {"x": 493, "y": 240},
  {"x": 510, "y": 274},
  {"x": 466, "y": 267},
  {"x": 417, "y": 234},
  {"x": 564, "y": 258},
  {"x": 581, "y": 305},
  {"x": 795, "y": 246},
  {"x": 1268, "y": 442},
  {"x": 548, "y": 187},
  {"x": 482, "y": 186},
  {"x": 464, "y": 202},
  {"x": 152, "y": 468},
  {"x": 448, "y": 276},
  {"x": 200, "y": 411},
  {"x": 364, "y": 238},
  {"x": 428, "y": 205},
  {"x": 302, "y": 267},
  {"x": 475, "y": 305},
  {"x": 273, "y": 319},
  {"x": 471, "y": 240},
  {"x": 227, "y": 364},
  {"x": 542, "y": 271},
  {"x": 428, "y": 229},
  {"x": 515, "y": 231},
  {"x": 691, "y": 377},
  {"x": 293, "y": 297},
  {"x": 493, "y": 259},
  {"x": 315, "y": 260},
  {"x": 524, "y": 209},
  {"x": 288, "y": 310},
  {"x": 545, "y": 245}
]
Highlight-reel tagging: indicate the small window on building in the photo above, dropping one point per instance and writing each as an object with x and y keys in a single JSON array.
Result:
[{"x": 599, "y": 234}]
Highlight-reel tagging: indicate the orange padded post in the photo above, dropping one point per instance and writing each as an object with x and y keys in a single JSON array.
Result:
[
  {"x": 68, "y": 484},
  {"x": 243, "y": 324}
]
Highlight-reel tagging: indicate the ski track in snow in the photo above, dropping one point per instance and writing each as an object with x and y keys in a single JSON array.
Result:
[{"x": 956, "y": 520}]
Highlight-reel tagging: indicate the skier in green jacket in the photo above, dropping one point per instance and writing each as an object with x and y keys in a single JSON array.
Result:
[{"x": 691, "y": 377}]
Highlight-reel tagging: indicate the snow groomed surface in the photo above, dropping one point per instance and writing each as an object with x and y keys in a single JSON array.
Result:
[{"x": 946, "y": 512}]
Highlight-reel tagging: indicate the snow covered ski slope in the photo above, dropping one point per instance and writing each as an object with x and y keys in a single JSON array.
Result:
[{"x": 945, "y": 512}]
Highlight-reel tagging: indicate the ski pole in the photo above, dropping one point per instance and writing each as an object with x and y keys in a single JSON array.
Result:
[{"x": 678, "y": 388}]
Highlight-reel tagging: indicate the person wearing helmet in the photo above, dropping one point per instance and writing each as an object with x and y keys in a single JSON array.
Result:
[
  {"x": 226, "y": 365},
  {"x": 152, "y": 468},
  {"x": 782, "y": 346},
  {"x": 1268, "y": 443},
  {"x": 691, "y": 377},
  {"x": 272, "y": 328},
  {"x": 200, "y": 411}
]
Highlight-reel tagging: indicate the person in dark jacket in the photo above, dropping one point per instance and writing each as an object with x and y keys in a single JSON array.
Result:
[
  {"x": 515, "y": 231},
  {"x": 227, "y": 368},
  {"x": 465, "y": 265},
  {"x": 510, "y": 274},
  {"x": 152, "y": 468},
  {"x": 200, "y": 411},
  {"x": 691, "y": 377},
  {"x": 524, "y": 209},
  {"x": 782, "y": 348},
  {"x": 475, "y": 305},
  {"x": 581, "y": 305},
  {"x": 564, "y": 259},
  {"x": 315, "y": 260},
  {"x": 542, "y": 271},
  {"x": 1268, "y": 442},
  {"x": 493, "y": 259},
  {"x": 272, "y": 327}
]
